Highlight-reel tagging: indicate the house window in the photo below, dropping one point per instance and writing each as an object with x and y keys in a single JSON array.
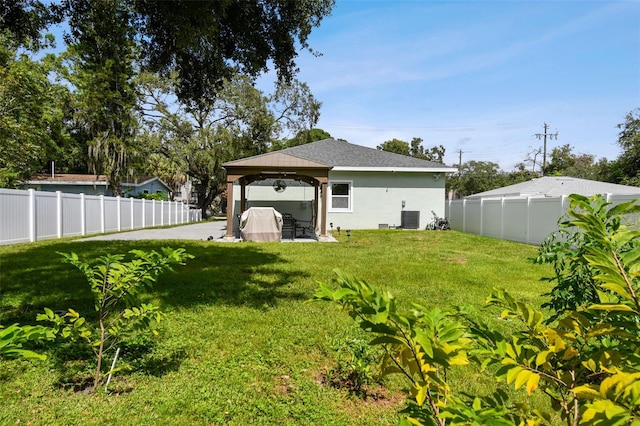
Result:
[{"x": 340, "y": 196}]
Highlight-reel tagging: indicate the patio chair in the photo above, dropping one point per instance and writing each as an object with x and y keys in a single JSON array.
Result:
[{"x": 288, "y": 226}]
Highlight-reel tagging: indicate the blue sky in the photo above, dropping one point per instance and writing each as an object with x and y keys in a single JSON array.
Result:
[{"x": 478, "y": 76}]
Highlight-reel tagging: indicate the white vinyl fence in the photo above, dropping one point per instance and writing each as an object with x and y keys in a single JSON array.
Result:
[
  {"x": 28, "y": 215},
  {"x": 523, "y": 219}
]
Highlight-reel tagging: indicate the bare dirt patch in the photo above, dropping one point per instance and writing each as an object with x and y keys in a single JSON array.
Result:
[{"x": 365, "y": 396}]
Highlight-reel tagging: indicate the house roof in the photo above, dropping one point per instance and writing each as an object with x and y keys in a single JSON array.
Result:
[
  {"x": 340, "y": 155},
  {"x": 69, "y": 179},
  {"x": 555, "y": 186},
  {"x": 86, "y": 179}
]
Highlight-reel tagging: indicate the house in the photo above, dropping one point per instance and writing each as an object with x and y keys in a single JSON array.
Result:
[
  {"x": 93, "y": 185},
  {"x": 557, "y": 186},
  {"x": 330, "y": 184}
]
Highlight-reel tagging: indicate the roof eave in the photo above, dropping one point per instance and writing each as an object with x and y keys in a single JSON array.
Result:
[
  {"x": 64, "y": 182},
  {"x": 394, "y": 169}
]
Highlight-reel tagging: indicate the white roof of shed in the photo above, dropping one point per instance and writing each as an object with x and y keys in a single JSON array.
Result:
[{"x": 556, "y": 186}]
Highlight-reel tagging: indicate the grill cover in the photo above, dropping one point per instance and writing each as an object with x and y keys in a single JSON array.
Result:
[{"x": 261, "y": 224}]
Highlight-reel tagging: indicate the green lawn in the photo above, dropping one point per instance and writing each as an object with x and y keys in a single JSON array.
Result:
[{"x": 240, "y": 344}]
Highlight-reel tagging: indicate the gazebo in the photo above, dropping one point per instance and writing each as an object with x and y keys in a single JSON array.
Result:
[{"x": 277, "y": 165}]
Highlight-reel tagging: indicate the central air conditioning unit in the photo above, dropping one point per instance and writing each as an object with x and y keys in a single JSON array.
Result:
[{"x": 410, "y": 219}]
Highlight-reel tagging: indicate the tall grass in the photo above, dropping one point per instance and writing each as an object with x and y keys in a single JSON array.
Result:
[{"x": 240, "y": 344}]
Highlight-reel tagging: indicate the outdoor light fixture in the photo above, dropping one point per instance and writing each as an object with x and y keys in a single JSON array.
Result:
[
  {"x": 348, "y": 234},
  {"x": 338, "y": 228},
  {"x": 331, "y": 225},
  {"x": 403, "y": 203}
]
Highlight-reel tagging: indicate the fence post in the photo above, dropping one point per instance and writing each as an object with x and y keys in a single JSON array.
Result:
[
  {"x": 482, "y": 216},
  {"x": 563, "y": 205},
  {"x": 153, "y": 212},
  {"x": 528, "y": 218},
  {"x": 162, "y": 213},
  {"x": 59, "y": 214},
  {"x": 131, "y": 210},
  {"x": 144, "y": 213},
  {"x": 502, "y": 199},
  {"x": 83, "y": 216},
  {"x": 32, "y": 215},
  {"x": 102, "y": 214},
  {"x": 464, "y": 215},
  {"x": 118, "y": 213}
]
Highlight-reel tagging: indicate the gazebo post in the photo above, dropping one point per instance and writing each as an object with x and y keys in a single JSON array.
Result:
[
  {"x": 229, "y": 209},
  {"x": 315, "y": 206},
  {"x": 323, "y": 226},
  {"x": 243, "y": 196}
]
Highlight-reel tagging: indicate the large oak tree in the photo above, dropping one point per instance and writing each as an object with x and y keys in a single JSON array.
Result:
[{"x": 241, "y": 121}]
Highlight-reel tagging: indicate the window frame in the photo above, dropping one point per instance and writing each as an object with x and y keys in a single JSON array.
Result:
[{"x": 349, "y": 197}]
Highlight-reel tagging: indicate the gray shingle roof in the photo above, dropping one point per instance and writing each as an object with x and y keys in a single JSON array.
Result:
[
  {"x": 555, "y": 186},
  {"x": 343, "y": 154}
]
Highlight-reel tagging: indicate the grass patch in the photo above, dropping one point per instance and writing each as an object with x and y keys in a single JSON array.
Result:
[{"x": 239, "y": 344}]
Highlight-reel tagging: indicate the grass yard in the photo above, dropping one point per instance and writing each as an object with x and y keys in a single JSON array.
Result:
[{"x": 240, "y": 344}]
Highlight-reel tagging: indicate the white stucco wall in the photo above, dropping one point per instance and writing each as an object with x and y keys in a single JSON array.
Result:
[{"x": 376, "y": 198}]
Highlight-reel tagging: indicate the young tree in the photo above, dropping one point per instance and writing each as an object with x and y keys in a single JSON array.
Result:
[{"x": 116, "y": 284}]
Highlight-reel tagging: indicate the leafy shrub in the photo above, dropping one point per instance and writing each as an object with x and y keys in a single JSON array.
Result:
[
  {"x": 575, "y": 286},
  {"x": 115, "y": 284},
  {"x": 13, "y": 337},
  {"x": 587, "y": 361},
  {"x": 355, "y": 365}
]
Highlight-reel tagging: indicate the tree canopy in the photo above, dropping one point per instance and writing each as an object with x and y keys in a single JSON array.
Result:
[
  {"x": 205, "y": 42},
  {"x": 414, "y": 149},
  {"x": 628, "y": 163},
  {"x": 92, "y": 109},
  {"x": 242, "y": 121},
  {"x": 32, "y": 126}
]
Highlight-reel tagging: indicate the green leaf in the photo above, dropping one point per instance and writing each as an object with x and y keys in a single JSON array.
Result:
[
  {"x": 513, "y": 373},
  {"x": 522, "y": 378},
  {"x": 613, "y": 307}
]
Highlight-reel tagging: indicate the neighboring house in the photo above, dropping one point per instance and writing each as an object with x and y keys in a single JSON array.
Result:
[
  {"x": 332, "y": 184},
  {"x": 186, "y": 193},
  {"x": 556, "y": 186},
  {"x": 93, "y": 185}
]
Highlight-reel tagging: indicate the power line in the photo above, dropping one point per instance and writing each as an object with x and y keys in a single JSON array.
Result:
[{"x": 544, "y": 151}]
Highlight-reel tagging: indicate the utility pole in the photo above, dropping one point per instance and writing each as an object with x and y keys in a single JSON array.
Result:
[
  {"x": 544, "y": 136},
  {"x": 459, "y": 160}
]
